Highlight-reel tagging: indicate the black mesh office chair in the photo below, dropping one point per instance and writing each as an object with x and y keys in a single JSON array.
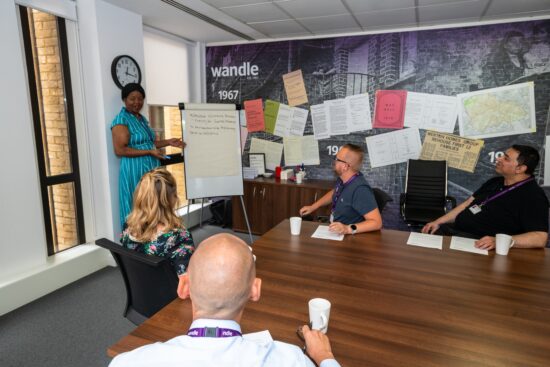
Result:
[
  {"x": 425, "y": 197},
  {"x": 151, "y": 281}
]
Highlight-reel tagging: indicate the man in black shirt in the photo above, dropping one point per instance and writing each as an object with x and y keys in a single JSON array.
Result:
[{"x": 512, "y": 203}]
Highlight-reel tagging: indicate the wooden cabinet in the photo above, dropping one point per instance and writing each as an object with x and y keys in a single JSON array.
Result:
[{"x": 269, "y": 201}]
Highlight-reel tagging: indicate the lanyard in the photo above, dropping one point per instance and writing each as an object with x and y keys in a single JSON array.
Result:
[
  {"x": 339, "y": 189},
  {"x": 499, "y": 194},
  {"x": 212, "y": 332}
]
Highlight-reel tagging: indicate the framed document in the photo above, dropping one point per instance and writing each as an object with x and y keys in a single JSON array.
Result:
[{"x": 257, "y": 160}]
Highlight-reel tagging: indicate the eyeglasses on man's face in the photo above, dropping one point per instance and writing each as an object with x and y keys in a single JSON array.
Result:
[{"x": 336, "y": 159}]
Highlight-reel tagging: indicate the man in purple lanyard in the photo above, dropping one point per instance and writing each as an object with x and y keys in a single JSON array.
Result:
[
  {"x": 353, "y": 206},
  {"x": 512, "y": 203},
  {"x": 220, "y": 280}
]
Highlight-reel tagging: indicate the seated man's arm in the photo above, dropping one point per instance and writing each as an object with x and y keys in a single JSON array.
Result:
[
  {"x": 372, "y": 222},
  {"x": 525, "y": 240},
  {"x": 318, "y": 348},
  {"x": 324, "y": 200},
  {"x": 447, "y": 218}
]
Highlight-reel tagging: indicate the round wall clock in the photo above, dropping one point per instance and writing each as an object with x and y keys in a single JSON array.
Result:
[{"x": 124, "y": 70}]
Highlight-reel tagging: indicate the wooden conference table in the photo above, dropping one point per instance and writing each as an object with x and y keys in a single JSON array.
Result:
[{"x": 392, "y": 304}]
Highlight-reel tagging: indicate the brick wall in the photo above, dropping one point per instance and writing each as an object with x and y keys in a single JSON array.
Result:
[{"x": 54, "y": 125}]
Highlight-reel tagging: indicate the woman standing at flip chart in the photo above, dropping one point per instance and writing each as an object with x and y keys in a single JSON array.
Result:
[{"x": 135, "y": 143}]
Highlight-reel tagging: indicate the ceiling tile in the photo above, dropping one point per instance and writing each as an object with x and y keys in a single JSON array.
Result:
[
  {"x": 277, "y": 28},
  {"x": 255, "y": 13},
  {"x": 361, "y": 6},
  {"x": 221, "y": 3},
  {"x": 305, "y": 8},
  {"x": 386, "y": 18},
  {"x": 517, "y": 6},
  {"x": 449, "y": 11},
  {"x": 329, "y": 23},
  {"x": 439, "y": 2}
]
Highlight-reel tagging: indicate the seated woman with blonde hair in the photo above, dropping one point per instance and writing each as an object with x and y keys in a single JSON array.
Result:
[{"x": 153, "y": 227}]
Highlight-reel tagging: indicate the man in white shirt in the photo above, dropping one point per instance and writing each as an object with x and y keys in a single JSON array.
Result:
[{"x": 220, "y": 280}]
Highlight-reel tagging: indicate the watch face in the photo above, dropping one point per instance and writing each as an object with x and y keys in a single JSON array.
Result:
[
  {"x": 353, "y": 227},
  {"x": 125, "y": 70}
]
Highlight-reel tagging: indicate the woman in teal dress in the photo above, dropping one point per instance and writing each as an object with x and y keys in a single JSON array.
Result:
[{"x": 135, "y": 143}]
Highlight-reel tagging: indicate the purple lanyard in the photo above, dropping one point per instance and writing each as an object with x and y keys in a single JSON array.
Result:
[
  {"x": 212, "y": 332},
  {"x": 339, "y": 189},
  {"x": 499, "y": 194}
]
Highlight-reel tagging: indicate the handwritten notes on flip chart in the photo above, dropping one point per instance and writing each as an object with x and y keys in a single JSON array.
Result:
[
  {"x": 301, "y": 149},
  {"x": 254, "y": 115},
  {"x": 211, "y": 128},
  {"x": 394, "y": 147},
  {"x": 295, "y": 88}
]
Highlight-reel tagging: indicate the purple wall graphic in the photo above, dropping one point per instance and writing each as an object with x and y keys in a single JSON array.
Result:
[{"x": 443, "y": 61}]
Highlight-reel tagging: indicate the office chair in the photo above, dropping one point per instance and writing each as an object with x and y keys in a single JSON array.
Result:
[
  {"x": 425, "y": 198},
  {"x": 151, "y": 281}
]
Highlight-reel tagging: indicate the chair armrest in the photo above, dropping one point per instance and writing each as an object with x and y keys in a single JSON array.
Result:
[
  {"x": 452, "y": 200},
  {"x": 151, "y": 260},
  {"x": 402, "y": 199}
]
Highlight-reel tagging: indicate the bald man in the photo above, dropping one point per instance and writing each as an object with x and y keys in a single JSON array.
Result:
[
  {"x": 353, "y": 206},
  {"x": 220, "y": 280}
]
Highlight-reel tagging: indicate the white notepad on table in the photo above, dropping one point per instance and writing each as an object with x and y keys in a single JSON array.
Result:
[
  {"x": 425, "y": 240},
  {"x": 466, "y": 244},
  {"x": 324, "y": 233}
]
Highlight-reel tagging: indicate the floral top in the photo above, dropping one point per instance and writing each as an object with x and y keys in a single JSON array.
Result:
[{"x": 176, "y": 245}]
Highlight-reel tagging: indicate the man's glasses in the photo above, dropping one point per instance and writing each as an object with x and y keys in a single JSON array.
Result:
[{"x": 336, "y": 159}]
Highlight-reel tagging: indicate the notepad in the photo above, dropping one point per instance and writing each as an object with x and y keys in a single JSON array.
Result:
[
  {"x": 425, "y": 240},
  {"x": 324, "y": 233},
  {"x": 466, "y": 244}
]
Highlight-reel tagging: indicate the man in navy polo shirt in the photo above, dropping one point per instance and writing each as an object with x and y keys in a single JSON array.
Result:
[
  {"x": 353, "y": 206},
  {"x": 512, "y": 203}
]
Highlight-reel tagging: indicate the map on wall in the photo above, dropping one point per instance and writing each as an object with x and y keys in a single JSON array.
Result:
[{"x": 489, "y": 113}]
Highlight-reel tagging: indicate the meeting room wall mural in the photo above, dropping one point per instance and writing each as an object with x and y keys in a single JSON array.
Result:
[{"x": 443, "y": 62}]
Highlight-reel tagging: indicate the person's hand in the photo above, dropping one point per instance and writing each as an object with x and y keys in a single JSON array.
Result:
[
  {"x": 486, "y": 243},
  {"x": 339, "y": 228},
  {"x": 430, "y": 228},
  {"x": 175, "y": 142},
  {"x": 157, "y": 153},
  {"x": 317, "y": 345},
  {"x": 305, "y": 210}
]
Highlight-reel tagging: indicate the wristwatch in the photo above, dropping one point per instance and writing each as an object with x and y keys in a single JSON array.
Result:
[{"x": 353, "y": 229}]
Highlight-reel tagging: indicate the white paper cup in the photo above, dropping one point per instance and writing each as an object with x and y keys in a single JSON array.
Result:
[
  {"x": 299, "y": 178},
  {"x": 319, "y": 314},
  {"x": 295, "y": 225},
  {"x": 503, "y": 244}
]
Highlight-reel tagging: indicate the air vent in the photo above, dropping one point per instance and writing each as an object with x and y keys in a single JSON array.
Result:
[{"x": 209, "y": 20}]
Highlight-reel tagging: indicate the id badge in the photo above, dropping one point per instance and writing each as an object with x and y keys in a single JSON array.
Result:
[
  {"x": 331, "y": 219},
  {"x": 475, "y": 209}
]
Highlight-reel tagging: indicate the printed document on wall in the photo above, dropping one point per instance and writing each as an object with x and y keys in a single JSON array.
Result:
[
  {"x": 301, "y": 149},
  {"x": 488, "y": 113},
  {"x": 270, "y": 115},
  {"x": 295, "y": 88},
  {"x": 431, "y": 112},
  {"x": 337, "y": 115},
  {"x": 358, "y": 112},
  {"x": 395, "y": 147},
  {"x": 319, "y": 121},
  {"x": 298, "y": 121},
  {"x": 273, "y": 151},
  {"x": 254, "y": 112},
  {"x": 460, "y": 153}
]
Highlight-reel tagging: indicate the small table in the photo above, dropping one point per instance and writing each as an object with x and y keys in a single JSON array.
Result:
[{"x": 392, "y": 304}]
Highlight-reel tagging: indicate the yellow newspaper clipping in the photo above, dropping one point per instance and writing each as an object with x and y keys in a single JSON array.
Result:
[{"x": 460, "y": 153}]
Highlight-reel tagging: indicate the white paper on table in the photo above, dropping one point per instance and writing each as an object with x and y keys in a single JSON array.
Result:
[
  {"x": 394, "y": 147},
  {"x": 466, "y": 244},
  {"x": 324, "y": 233},
  {"x": 425, "y": 240},
  {"x": 431, "y": 112},
  {"x": 301, "y": 149},
  {"x": 273, "y": 151},
  {"x": 319, "y": 121},
  {"x": 359, "y": 116},
  {"x": 282, "y": 123},
  {"x": 244, "y": 134},
  {"x": 547, "y": 162},
  {"x": 298, "y": 121},
  {"x": 337, "y": 116},
  {"x": 260, "y": 337}
]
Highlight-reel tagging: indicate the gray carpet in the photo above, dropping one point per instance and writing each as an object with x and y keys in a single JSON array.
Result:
[{"x": 74, "y": 325}]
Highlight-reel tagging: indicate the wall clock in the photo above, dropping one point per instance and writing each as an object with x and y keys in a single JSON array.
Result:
[{"x": 124, "y": 70}]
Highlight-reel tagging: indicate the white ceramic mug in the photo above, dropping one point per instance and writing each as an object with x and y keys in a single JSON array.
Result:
[
  {"x": 319, "y": 314},
  {"x": 295, "y": 225},
  {"x": 503, "y": 243}
]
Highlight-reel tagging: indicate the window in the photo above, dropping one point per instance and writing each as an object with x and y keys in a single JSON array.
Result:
[
  {"x": 46, "y": 53},
  {"x": 166, "y": 122}
]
